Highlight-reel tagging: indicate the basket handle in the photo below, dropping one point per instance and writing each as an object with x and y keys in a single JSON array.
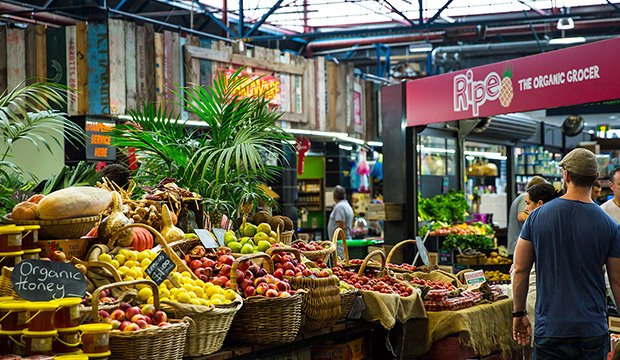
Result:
[
  {"x": 100, "y": 264},
  {"x": 453, "y": 277},
  {"x": 393, "y": 250},
  {"x": 340, "y": 233},
  {"x": 461, "y": 275},
  {"x": 368, "y": 257},
  {"x": 233, "y": 269},
  {"x": 95, "y": 301},
  {"x": 282, "y": 249},
  {"x": 159, "y": 239}
]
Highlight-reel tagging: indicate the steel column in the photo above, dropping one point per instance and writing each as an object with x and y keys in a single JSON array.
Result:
[
  {"x": 421, "y": 12},
  {"x": 240, "y": 23},
  {"x": 262, "y": 20}
]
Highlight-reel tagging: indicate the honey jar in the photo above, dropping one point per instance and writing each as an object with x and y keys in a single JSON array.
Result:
[
  {"x": 10, "y": 259},
  {"x": 30, "y": 236},
  {"x": 31, "y": 254},
  {"x": 41, "y": 316},
  {"x": 9, "y": 341},
  {"x": 38, "y": 342},
  {"x": 13, "y": 315},
  {"x": 10, "y": 238},
  {"x": 100, "y": 356},
  {"x": 95, "y": 338},
  {"x": 67, "y": 341},
  {"x": 68, "y": 314}
]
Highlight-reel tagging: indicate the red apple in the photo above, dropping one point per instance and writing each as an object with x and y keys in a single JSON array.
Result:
[
  {"x": 208, "y": 263},
  {"x": 262, "y": 272},
  {"x": 131, "y": 327},
  {"x": 227, "y": 259},
  {"x": 288, "y": 266},
  {"x": 187, "y": 259},
  {"x": 124, "y": 306},
  {"x": 227, "y": 284},
  {"x": 279, "y": 266},
  {"x": 142, "y": 324},
  {"x": 271, "y": 293},
  {"x": 225, "y": 270},
  {"x": 160, "y": 317},
  {"x": 289, "y": 272},
  {"x": 198, "y": 271},
  {"x": 204, "y": 278},
  {"x": 195, "y": 264},
  {"x": 245, "y": 283},
  {"x": 244, "y": 265},
  {"x": 249, "y": 275},
  {"x": 323, "y": 273},
  {"x": 315, "y": 273},
  {"x": 115, "y": 324},
  {"x": 240, "y": 276},
  {"x": 118, "y": 315},
  {"x": 306, "y": 272},
  {"x": 131, "y": 312},
  {"x": 261, "y": 289},
  {"x": 249, "y": 291},
  {"x": 104, "y": 317},
  {"x": 124, "y": 325},
  {"x": 254, "y": 269},
  {"x": 276, "y": 258},
  {"x": 284, "y": 294},
  {"x": 148, "y": 310},
  {"x": 279, "y": 274}
]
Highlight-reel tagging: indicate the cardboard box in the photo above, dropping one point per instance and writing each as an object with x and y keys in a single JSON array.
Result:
[
  {"x": 352, "y": 350},
  {"x": 614, "y": 323},
  {"x": 385, "y": 211},
  {"x": 71, "y": 247},
  {"x": 397, "y": 257}
]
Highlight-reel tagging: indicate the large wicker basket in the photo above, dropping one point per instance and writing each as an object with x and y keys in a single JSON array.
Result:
[
  {"x": 59, "y": 229},
  {"x": 6, "y": 287},
  {"x": 389, "y": 258},
  {"x": 329, "y": 248},
  {"x": 162, "y": 343},
  {"x": 347, "y": 298},
  {"x": 286, "y": 237},
  {"x": 210, "y": 324},
  {"x": 321, "y": 301},
  {"x": 264, "y": 320}
]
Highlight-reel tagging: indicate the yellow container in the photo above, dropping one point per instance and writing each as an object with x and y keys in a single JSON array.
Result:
[
  {"x": 41, "y": 316},
  {"x": 100, "y": 356},
  {"x": 13, "y": 315},
  {"x": 68, "y": 314},
  {"x": 30, "y": 236},
  {"x": 67, "y": 341},
  {"x": 10, "y": 259},
  {"x": 95, "y": 338},
  {"x": 38, "y": 342},
  {"x": 77, "y": 356},
  {"x": 9, "y": 341},
  {"x": 11, "y": 238},
  {"x": 6, "y": 298},
  {"x": 31, "y": 254}
]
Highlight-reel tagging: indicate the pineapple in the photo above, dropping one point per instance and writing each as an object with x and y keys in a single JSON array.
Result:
[{"x": 506, "y": 93}]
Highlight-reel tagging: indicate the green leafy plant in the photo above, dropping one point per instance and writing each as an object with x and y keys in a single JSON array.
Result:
[
  {"x": 477, "y": 242},
  {"x": 225, "y": 161},
  {"x": 450, "y": 207}
]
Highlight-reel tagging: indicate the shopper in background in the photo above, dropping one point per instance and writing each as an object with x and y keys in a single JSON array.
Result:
[
  {"x": 342, "y": 214},
  {"x": 612, "y": 206},
  {"x": 517, "y": 215},
  {"x": 569, "y": 239},
  {"x": 596, "y": 192}
]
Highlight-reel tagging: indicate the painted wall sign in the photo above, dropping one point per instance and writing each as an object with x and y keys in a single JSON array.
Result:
[
  {"x": 98, "y": 69},
  {"x": 43, "y": 280},
  {"x": 259, "y": 84},
  {"x": 570, "y": 76},
  {"x": 72, "y": 75},
  {"x": 98, "y": 142},
  {"x": 56, "y": 45}
]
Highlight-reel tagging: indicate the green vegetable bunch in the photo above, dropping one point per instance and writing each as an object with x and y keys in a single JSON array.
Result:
[
  {"x": 477, "y": 242},
  {"x": 451, "y": 207}
]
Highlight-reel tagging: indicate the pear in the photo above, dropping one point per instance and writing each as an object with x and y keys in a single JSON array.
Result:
[
  {"x": 229, "y": 237},
  {"x": 247, "y": 249}
]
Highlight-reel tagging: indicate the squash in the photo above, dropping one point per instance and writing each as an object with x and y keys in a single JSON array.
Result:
[
  {"x": 77, "y": 201},
  {"x": 36, "y": 198},
  {"x": 114, "y": 222},
  {"x": 142, "y": 239},
  {"x": 25, "y": 211},
  {"x": 170, "y": 232}
]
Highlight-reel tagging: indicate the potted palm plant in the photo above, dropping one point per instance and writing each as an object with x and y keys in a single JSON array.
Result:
[{"x": 224, "y": 161}]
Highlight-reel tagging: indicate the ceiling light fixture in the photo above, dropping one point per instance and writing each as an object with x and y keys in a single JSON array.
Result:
[
  {"x": 568, "y": 40},
  {"x": 420, "y": 47},
  {"x": 566, "y": 24}
]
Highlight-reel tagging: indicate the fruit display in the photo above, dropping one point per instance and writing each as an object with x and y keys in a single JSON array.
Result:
[
  {"x": 407, "y": 267},
  {"x": 132, "y": 318},
  {"x": 250, "y": 238},
  {"x": 496, "y": 275},
  {"x": 494, "y": 259},
  {"x": 311, "y": 246},
  {"x": 384, "y": 285},
  {"x": 435, "y": 285}
]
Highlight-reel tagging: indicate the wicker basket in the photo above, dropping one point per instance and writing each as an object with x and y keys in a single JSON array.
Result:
[
  {"x": 286, "y": 237},
  {"x": 210, "y": 324},
  {"x": 389, "y": 258},
  {"x": 264, "y": 320},
  {"x": 59, "y": 229},
  {"x": 162, "y": 343},
  {"x": 336, "y": 260},
  {"x": 321, "y": 302},
  {"x": 6, "y": 287},
  {"x": 319, "y": 254},
  {"x": 347, "y": 299}
]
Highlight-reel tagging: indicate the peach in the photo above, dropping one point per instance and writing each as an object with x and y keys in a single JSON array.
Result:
[
  {"x": 142, "y": 324},
  {"x": 115, "y": 324},
  {"x": 118, "y": 315},
  {"x": 160, "y": 317},
  {"x": 148, "y": 320},
  {"x": 123, "y": 325},
  {"x": 259, "y": 280},
  {"x": 132, "y": 327},
  {"x": 249, "y": 291},
  {"x": 164, "y": 323},
  {"x": 271, "y": 293},
  {"x": 148, "y": 310},
  {"x": 262, "y": 288},
  {"x": 131, "y": 312},
  {"x": 104, "y": 317},
  {"x": 124, "y": 306},
  {"x": 137, "y": 317},
  {"x": 281, "y": 286},
  {"x": 279, "y": 273},
  {"x": 284, "y": 294}
]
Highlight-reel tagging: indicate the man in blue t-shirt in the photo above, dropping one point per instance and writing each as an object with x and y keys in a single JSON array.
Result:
[{"x": 570, "y": 239}]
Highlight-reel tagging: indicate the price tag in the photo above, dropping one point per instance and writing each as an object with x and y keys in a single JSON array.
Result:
[
  {"x": 474, "y": 277},
  {"x": 21, "y": 195},
  {"x": 160, "y": 268},
  {"x": 38, "y": 280},
  {"x": 219, "y": 235},
  {"x": 206, "y": 238}
]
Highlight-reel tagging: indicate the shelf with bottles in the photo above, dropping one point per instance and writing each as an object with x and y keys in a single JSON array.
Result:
[{"x": 536, "y": 161}]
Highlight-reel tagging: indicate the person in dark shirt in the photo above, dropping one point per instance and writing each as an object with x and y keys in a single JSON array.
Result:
[{"x": 569, "y": 239}]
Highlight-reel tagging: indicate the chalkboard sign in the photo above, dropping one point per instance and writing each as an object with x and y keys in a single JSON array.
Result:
[
  {"x": 206, "y": 238},
  {"x": 160, "y": 268},
  {"x": 40, "y": 280},
  {"x": 219, "y": 235}
]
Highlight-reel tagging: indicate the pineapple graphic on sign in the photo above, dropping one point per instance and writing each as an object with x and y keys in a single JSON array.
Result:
[{"x": 506, "y": 93}]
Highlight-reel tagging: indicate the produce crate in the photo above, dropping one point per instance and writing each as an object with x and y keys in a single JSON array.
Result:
[
  {"x": 352, "y": 350},
  {"x": 385, "y": 211},
  {"x": 470, "y": 259}
]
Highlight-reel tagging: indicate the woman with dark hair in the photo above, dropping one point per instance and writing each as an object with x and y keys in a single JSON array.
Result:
[{"x": 536, "y": 196}]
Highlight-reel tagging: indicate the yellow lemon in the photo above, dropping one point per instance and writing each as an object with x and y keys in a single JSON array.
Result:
[
  {"x": 198, "y": 290},
  {"x": 186, "y": 274},
  {"x": 227, "y": 301},
  {"x": 229, "y": 294},
  {"x": 151, "y": 300},
  {"x": 120, "y": 258},
  {"x": 184, "y": 298},
  {"x": 123, "y": 252},
  {"x": 143, "y": 255},
  {"x": 189, "y": 281},
  {"x": 205, "y": 296},
  {"x": 145, "y": 293},
  {"x": 176, "y": 276},
  {"x": 164, "y": 299},
  {"x": 194, "y": 302},
  {"x": 211, "y": 291},
  {"x": 132, "y": 255},
  {"x": 138, "y": 270},
  {"x": 152, "y": 255},
  {"x": 131, "y": 272},
  {"x": 123, "y": 269},
  {"x": 145, "y": 263},
  {"x": 220, "y": 297},
  {"x": 177, "y": 291},
  {"x": 115, "y": 263},
  {"x": 128, "y": 278},
  {"x": 192, "y": 294},
  {"x": 188, "y": 287},
  {"x": 164, "y": 293},
  {"x": 203, "y": 302},
  {"x": 199, "y": 283},
  {"x": 105, "y": 257},
  {"x": 130, "y": 263},
  {"x": 216, "y": 302},
  {"x": 208, "y": 285},
  {"x": 168, "y": 284}
]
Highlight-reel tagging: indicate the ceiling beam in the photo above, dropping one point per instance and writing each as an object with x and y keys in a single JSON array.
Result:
[
  {"x": 444, "y": 7},
  {"x": 400, "y": 13},
  {"x": 262, "y": 20}
]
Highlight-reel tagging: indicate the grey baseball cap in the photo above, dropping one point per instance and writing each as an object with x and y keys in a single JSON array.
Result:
[{"x": 581, "y": 162}]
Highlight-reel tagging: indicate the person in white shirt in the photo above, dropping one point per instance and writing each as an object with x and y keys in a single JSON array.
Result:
[{"x": 612, "y": 207}]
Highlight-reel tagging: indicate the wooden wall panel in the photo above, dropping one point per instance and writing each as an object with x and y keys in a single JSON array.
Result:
[
  {"x": 56, "y": 45},
  {"x": 181, "y": 82},
  {"x": 98, "y": 69},
  {"x": 3, "y": 69},
  {"x": 332, "y": 80},
  {"x": 206, "y": 69},
  {"x": 159, "y": 69},
  {"x": 72, "y": 99},
  {"x": 321, "y": 94},
  {"x": 141, "y": 91},
  {"x": 149, "y": 61},
  {"x": 31, "y": 54},
  {"x": 130, "y": 66},
  {"x": 16, "y": 57},
  {"x": 82, "y": 66},
  {"x": 309, "y": 88},
  {"x": 116, "y": 38},
  {"x": 371, "y": 118},
  {"x": 176, "y": 72},
  {"x": 41, "y": 41}
]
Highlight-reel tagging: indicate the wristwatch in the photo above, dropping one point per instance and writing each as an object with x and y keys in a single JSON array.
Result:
[{"x": 516, "y": 314}]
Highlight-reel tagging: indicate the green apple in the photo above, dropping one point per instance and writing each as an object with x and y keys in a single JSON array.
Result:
[
  {"x": 235, "y": 246},
  {"x": 260, "y": 236},
  {"x": 264, "y": 227},
  {"x": 246, "y": 249},
  {"x": 273, "y": 234},
  {"x": 229, "y": 237},
  {"x": 248, "y": 229},
  {"x": 263, "y": 245}
]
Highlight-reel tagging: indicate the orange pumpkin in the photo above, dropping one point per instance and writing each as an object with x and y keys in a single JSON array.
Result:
[
  {"x": 25, "y": 211},
  {"x": 36, "y": 198},
  {"x": 142, "y": 239}
]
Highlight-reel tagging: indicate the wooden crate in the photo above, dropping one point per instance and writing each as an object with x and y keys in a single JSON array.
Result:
[
  {"x": 385, "y": 211},
  {"x": 614, "y": 324}
]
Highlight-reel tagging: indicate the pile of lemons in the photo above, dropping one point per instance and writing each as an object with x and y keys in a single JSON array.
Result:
[{"x": 132, "y": 265}]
